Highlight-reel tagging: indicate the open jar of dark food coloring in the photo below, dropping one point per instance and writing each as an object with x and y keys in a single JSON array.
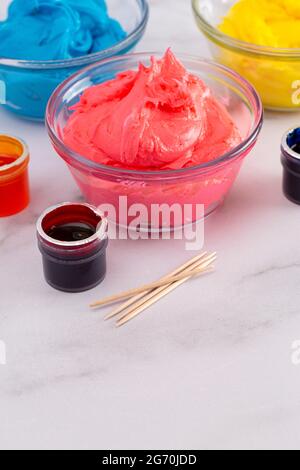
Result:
[
  {"x": 72, "y": 238},
  {"x": 290, "y": 158}
]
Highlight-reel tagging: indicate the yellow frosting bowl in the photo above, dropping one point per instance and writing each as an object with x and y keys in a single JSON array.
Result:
[{"x": 273, "y": 71}]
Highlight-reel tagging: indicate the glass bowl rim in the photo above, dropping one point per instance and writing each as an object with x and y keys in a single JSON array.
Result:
[
  {"x": 228, "y": 156},
  {"x": 250, "y": 48},
  {"x": 135, "y": 34}
]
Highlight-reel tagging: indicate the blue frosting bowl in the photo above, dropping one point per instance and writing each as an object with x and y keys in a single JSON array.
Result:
[{"x": 26, "y": 86}]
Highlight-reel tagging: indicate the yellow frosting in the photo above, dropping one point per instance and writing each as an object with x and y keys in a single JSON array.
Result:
[{"x": 273, "y": 23}]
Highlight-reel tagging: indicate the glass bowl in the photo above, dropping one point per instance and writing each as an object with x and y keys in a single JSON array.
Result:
[
  {"x": 26, "y": 86},
  {"x": 206, "y": 184},
  {"x": 274, "y": 72}
]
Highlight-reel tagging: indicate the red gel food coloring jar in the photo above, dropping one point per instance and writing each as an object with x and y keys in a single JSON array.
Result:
[
  {"x": 14, "y": 184},
  {"x": 72, "y": 238}
]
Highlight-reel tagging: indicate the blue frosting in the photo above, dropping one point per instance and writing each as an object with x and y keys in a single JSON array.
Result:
[
  {"x": 45, "y": 30},
  {"x": 57, "y": 29}
]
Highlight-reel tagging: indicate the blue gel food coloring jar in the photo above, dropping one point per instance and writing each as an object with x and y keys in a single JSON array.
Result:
[
  {"x": 290, "y": 158},
  {"x": 72, "y": 239}
]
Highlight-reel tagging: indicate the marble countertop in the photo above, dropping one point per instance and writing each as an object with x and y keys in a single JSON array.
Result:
[{"x": 210, "y": 367}]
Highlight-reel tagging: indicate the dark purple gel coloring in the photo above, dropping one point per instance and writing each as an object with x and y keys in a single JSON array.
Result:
[
  {"x": 72, "y": 239},
  {"x": 71, "y": 232}
]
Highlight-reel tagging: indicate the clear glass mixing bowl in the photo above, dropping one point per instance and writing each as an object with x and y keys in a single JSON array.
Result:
[{"x": 205, "y": 184}]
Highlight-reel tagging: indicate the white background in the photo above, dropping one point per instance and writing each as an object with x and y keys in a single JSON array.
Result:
[{"x": 208, "y": 367}]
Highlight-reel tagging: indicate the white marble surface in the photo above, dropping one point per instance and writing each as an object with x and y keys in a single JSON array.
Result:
[{"x": 207, "y": 368}]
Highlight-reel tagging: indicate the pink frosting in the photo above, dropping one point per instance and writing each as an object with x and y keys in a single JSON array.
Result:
[{"x": 159, "y": 117}]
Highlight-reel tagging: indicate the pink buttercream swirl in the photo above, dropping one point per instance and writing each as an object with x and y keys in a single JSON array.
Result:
[{"x": 159, "y": 117}]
